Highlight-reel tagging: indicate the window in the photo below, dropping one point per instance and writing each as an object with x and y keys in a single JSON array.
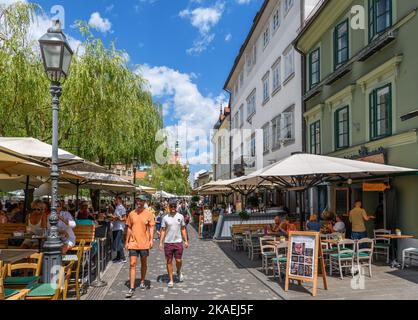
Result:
[
  {"x": 315, "y": 137},
  {"x": 266, "y": 138},
  {"x": 341, "y": 44},
  {"x": 266, "y": 37},
  {"x": 251, "y": 108},
  {"x": 251, "y": 58},
  {"x": 253, "y": 147},
  {"x": 277, "y": 75},
  {"x": 288, "y": 4},
  {"x": 277, "y": 19},
  {"x": 289, "y": 65},
  {"x": 381, "y": 112},
  {"x": 241, "y": 79},
  {"x": 266, "y": 87},
  {"x": 342, "y": 128},
  {"x": 236, "y": 120},
  {"x": 314, "y": 68},
  {"x": 129, "y": 173},
  {"x": 275, "y": 132},
  {"x": 287, "y": 125},
  {"x": 380, "y": 17},
  {"x": 241, "y": 115}
]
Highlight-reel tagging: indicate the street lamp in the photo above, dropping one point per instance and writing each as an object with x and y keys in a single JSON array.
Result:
[
  {"x": 135, "y": 165},
  {"x": 150, "y": 180},
  {"x": 161, "y": 195},
  {"x": 56, "y": 56}
]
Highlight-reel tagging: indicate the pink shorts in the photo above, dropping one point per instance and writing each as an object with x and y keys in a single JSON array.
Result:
[{"x": 173, "y": 249}]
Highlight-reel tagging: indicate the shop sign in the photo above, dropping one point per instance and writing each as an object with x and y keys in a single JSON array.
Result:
[{"x": 375, "y": 187}]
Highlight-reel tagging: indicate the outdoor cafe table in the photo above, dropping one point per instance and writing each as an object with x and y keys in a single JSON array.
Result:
[
  {"x": 14, "y": 255},
  {"x": 394, "y": 245},
  {"x": 30, "y": 237}
]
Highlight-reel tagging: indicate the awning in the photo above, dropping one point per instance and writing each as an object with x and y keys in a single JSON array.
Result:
[
  {"x": 14, "y": 183},
  {"x": 145, "y": 189},
  {"x": 307, "y": 170}
]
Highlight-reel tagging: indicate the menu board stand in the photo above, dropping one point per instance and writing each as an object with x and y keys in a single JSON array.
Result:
[{"x": 303, "y": 255}]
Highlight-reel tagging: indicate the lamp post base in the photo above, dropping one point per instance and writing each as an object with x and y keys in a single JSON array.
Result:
[{"x": 52, "y": 261}]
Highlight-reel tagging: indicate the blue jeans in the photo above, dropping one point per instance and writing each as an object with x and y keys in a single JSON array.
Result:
[{"x": 358, "y": 235}]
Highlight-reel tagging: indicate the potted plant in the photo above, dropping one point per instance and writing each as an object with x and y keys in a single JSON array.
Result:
[{"x": 244, "y": 216}]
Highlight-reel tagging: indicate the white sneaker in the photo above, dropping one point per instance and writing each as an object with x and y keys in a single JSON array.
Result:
[
  {"x": 170, "y": 284},
  {"x": 181, "y": 277}
]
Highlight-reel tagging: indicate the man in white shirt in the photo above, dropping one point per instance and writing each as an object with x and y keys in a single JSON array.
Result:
[
  {"x": 118, "y": 229},
  {"x": 173, "y": 232}
]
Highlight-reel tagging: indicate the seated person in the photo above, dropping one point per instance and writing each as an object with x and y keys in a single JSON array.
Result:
[
  {"x": 66, "y": 224},
  {"x": 16, "y": 213},
  {"x": 339, "y": 226},
  {"x": 275, "y": 228},
  {"x": 3, "y": 216},
  {"x": 313, "y": 224},
  {"x": 36, "y": 223},
  {"x": 84, "y": 213},
  {"x": 284, "y": 227}
]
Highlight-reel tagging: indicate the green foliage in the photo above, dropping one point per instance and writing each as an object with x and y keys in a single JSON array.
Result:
[
  {"x": 106, "y": 116},
  {"x": 174, "y": 177},
  {"x": 244, "y": 216},
  {"x": 195, "y": 199}
]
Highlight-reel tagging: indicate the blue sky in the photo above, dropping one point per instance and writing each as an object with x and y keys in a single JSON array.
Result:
[{"x": 185, "y": 49}]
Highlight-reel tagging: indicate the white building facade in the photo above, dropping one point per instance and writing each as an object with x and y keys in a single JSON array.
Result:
[{"x": 265, "y": 84}]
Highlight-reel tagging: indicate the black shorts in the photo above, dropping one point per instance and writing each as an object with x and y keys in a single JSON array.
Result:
[{"x": 137, "y": 253}]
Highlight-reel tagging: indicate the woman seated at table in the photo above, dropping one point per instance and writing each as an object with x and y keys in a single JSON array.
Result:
[
  {"x": 66, "y": 224},
  {"x": 36, "y": 223},
  {"x": 275, "y": 228},
  {"x": 84, "y": 213},
  {"x": 339, "y": 225},
  {"x": 284, "y": 227},
  {"x": 313, "y": 224}
]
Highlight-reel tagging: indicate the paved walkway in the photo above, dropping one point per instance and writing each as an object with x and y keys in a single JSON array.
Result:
[{"x": 209, "y": 275}]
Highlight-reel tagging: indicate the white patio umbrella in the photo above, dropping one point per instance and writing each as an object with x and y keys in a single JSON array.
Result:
[
  {"x": 14, "y": 183},
  {"x": 303, "y": 171},
  {"x": 145, "y": 189}
]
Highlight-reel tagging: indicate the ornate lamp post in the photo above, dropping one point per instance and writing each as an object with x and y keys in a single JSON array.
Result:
[
  {"x": 56, "y": 55},
  {"x": 135, "y": 165}
]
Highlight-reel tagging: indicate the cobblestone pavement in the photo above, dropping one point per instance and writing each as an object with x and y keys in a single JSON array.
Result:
[{"x": 209, "y": 275}]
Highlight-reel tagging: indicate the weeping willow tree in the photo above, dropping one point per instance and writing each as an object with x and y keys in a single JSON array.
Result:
[
  {"x": 173, "y": 176},
  {"x": 106, "y": 116}
]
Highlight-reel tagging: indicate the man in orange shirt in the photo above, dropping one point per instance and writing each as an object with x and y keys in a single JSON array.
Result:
[{"x": 139, "y": 241}]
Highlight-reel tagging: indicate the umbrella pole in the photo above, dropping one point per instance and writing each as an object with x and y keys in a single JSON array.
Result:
[
  {"x": 77, "y": 195},
  {"x": 25, "y": 209}
]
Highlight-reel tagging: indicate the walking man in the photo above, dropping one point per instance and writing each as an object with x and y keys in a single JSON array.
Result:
[
  {"x": 118, "y": 230},
  {"x": 173, "y": 232},
  {"x": 139, "y": 241}
]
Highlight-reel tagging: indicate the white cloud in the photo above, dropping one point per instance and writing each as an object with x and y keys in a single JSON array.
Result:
[
  {"x": 228, "y": 37},
  {"x": 243, "y": 1},
  {"x": 203, "y": 19},
  {"x": 100, "y": 24},
  {"x": 195, "y": 113}
]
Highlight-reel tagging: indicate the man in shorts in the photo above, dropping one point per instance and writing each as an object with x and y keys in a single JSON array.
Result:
[
  {"x": 139, "y": 241},
  {"x": 173, "y": 232}
]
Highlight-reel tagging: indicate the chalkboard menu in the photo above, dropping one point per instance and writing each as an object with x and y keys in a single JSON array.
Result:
[
  {"x": 304, "y": 254},
  {"x": 207, "y": 217}
]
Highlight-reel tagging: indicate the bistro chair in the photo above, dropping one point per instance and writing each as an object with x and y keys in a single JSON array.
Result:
[
  {"x": 86, "y": 233},
  {"x": 74, "y": 282},
  {"x": 364, "y": 254},
  {"x": 267, "y": 253},
  {"x": 237, "y": 240},
  {"x": 254, "y": 248},
  {"x": 409, "y": 254},
  {"x": 247, "y": 240},
  {"x": 6, "y": 293},
  {"x": 344, "y": 258},
  {"x": 52, "y": 291},
  {"x": 279, "y": 261},
  {"x": 20, "y": 282},
  {"x": 382, "y": 245}
]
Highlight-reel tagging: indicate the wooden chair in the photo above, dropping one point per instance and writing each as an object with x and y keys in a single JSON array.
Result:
[
  {"x": 267, "y": 253},
  {"x": 279, "y": 262},
  {"x": 382, "y": 245},
  {"x": 344, "y": 258},
  {"x": 52, "y": 291},
  {"x": 20, "y": 282},
  {"x": 9, "y": 294},
  {"x": 74, "y": 282},
  {"x": 85, "y": 233},
  {"x": 6, "y": 232},
  {"x": 364, "y": 254}
]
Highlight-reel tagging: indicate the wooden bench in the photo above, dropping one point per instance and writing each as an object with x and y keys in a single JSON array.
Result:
[
  {"x": 7, "y": 230},
  {"x": 241, "y": 228}
]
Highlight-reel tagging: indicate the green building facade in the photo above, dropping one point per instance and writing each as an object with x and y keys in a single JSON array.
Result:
[{"x": 361, "y": 102}]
